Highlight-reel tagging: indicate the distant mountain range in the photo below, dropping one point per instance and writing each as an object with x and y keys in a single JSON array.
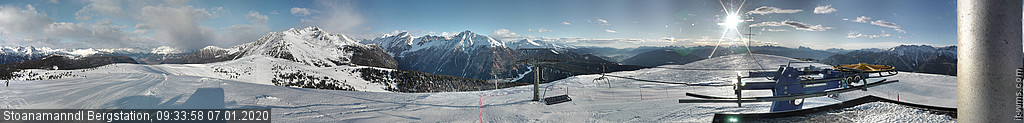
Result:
[
  {"x": 471, "y": 55},
  {"x": 464, "y": 60},
  {"x": 148, "y": 56},
  {"x": 912, "y": 58},
  {"x": 466, "y": 54},
  {"x": 656, "y": 56},
  {"x": 311, "y": 48},
  {"x": 59, "y": 62},
  {"x": 915, "y": 58}
]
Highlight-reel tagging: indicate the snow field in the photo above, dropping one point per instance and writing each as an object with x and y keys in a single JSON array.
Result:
[{"x": 198, "y": 86}]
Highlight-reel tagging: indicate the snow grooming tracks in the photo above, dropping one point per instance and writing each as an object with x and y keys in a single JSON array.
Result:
[{"x": 805, "y": 114}]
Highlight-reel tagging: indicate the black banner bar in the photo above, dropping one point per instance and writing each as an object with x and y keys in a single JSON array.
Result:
[{"x": 136, "y": 115}]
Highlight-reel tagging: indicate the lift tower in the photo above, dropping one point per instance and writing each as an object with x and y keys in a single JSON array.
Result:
[{"x": 536, "y": 62}]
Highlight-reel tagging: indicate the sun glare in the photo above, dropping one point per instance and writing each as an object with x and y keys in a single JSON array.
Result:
[
  {"x": 729, "y": 24},
  {"x": 731, "y": 21}
]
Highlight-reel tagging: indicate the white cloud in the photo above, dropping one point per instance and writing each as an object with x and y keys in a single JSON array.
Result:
[
  {"x": 539, "y": 30},
  {"x": 157, "y": 23},
  {"x": 858, "y": 35},
  {"x": 504, "y": 34},
  {"x": 794, "y": 24},
  {"x": 66, "y": 29},
  {"x": 35, "y": 29},
  {"x": 824, "y": 9},
  {"x": 771, "y": 10},
  {"x": 31, "y": 41},
  {"x": 336, "y": 16},
  {"x": 705, "y": 41},
  {"x": 53, "y": 2},
  {"x": 885, "y": 24},
  {"x": 176, "y": 2},
  {"x": 566, "y": 23},
  {"x": 105, "y": 33},
  {"x": 97, "y": 7},
  {"x": 858, "y": 45},
  {"x": 599, "y": 22},
  {"x": 143, "y": 26},
  {"x": 448, "y": 34},
  {"x": 774, "y": 30},
  {"x": 180, "y": 26},
  {"x": 16, "y": 20},
  {"x": 241, "y": 33},
  {"x": 508, "y": 35},
  {"x": 256, "y": 18},
  {"x": 882, "y": 23},
  {"x": 594, "y": 41},
  {"x": 101, "y": 34},
  {"x": 300, "y": 11},
  {"x": 863, "y": 19},
  {"x": 899, "y": 30},
  {"x": 30, "y": 8},
  {"x": 609, "y": 30}
]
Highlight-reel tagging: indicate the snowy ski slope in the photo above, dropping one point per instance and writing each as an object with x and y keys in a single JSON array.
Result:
[{"x": 611, "y": 100}]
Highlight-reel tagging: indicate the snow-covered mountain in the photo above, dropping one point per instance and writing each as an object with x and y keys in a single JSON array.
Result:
[
  {"x": 34, "y": 51},
  {"x": 11, "y": 54},
  {"x": 197, "y": 86},
  {"x": 313, "y": 46},
  {"x": 476, "y": 56},
  {"x": 208, "y": 54},
  {"x": 527, "y": 43},
  {"x": 616, "y": 54},
  {"x": 466, "y": 54},
  {"x": 916, "y": 58},
  {"x": 394, "y": 44},
  {"x": 306, "y": 58},
  {"x": 18, "y": 54},
  {"x": 571, "y": 62},
  {"x": 165, "y": 50}
]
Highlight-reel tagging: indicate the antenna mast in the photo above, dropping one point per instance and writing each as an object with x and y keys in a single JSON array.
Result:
[{"x": 750, "y": 38}]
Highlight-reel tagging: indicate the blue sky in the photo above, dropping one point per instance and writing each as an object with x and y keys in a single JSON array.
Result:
[{"x": 818, "y": 24}]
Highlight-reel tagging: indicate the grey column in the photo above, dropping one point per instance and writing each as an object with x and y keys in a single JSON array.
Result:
[
  {"x": 988, "y": 53},
  {"x": 536, "y": 83}
]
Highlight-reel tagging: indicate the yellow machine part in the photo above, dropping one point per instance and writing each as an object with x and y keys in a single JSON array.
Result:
[{"x": 865, "y": 67}]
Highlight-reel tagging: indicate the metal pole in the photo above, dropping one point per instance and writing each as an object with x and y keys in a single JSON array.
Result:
[
  {"x": 988, "y": 52},
  {"x": 536, "y": 83}
]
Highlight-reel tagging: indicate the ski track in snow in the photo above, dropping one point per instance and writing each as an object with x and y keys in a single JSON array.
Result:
[{"x": 196, "y": 86}]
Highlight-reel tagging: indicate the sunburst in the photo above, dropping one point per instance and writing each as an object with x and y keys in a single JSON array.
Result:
[{"x": 729, "y": 24}]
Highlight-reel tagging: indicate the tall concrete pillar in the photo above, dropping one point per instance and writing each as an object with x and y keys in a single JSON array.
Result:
[{"x": 988, "y": 53}]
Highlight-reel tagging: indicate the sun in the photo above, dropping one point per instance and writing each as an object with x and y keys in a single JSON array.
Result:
[
  {"x": 731, "y": 21},
  {"x": 729, "y": 24}
]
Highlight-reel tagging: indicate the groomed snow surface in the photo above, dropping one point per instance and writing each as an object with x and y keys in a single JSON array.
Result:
[{"x": 132, "y": 86}]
